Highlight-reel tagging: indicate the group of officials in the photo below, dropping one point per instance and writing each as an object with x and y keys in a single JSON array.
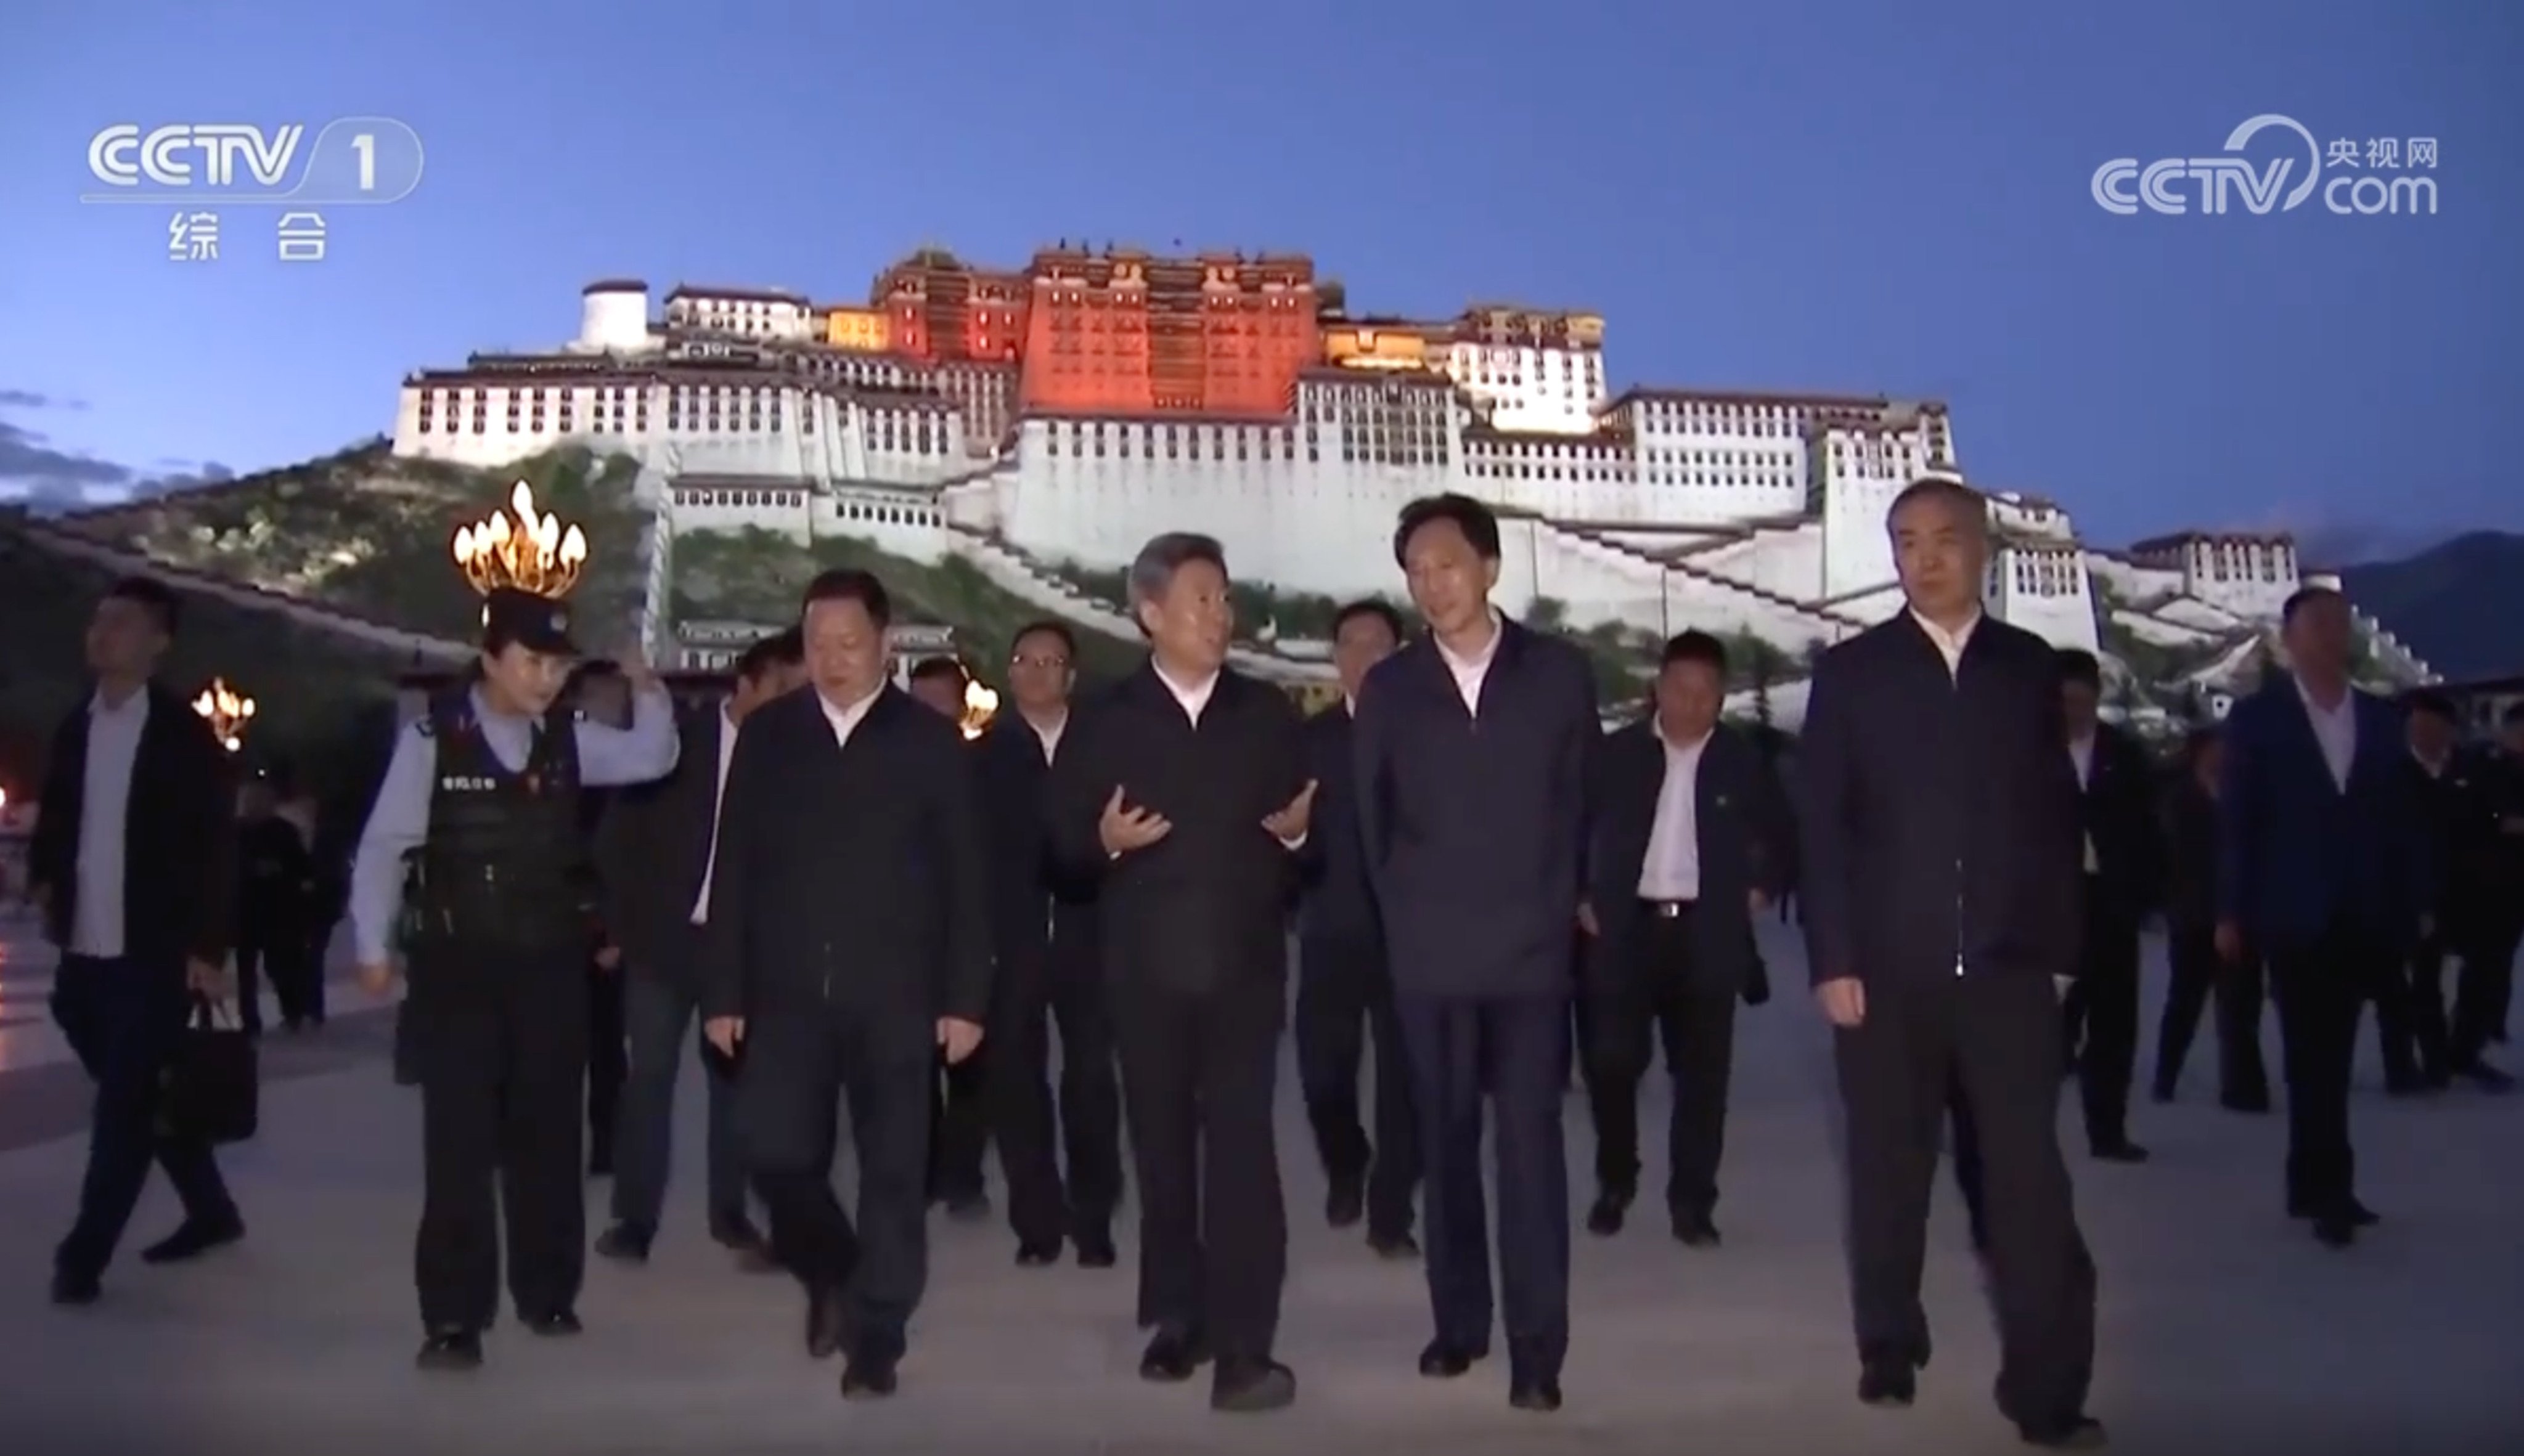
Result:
[{"x": 864, "y": 913}]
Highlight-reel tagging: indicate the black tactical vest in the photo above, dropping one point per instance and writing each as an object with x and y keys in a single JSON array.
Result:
[{"x": 505, "y": 865}]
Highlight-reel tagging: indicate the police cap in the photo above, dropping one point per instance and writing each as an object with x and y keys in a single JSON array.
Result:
[{"x": 539, "y": 624}]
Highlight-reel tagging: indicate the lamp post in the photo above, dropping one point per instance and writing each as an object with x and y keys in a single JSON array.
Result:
[
  {"x": 227, "y": 711},
  {"x": 520, "y": 546},
  {"x": 981, "y": 704}
]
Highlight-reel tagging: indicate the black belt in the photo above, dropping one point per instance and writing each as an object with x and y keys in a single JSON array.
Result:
[{"x": 1666, "y": 909}]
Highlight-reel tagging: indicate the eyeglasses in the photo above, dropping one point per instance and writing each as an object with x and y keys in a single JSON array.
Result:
[{"x": 1048, "y": 665}]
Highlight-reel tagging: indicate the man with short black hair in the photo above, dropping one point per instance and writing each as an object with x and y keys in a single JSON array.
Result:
[
  {"x": 1691, "y": 841},
  {"x": 1050, "y": 973},
  {"x": 131, "y": 866},
  {"x": 1344, "y": 986},
  {"x": 2121, "y": 851},
  {"x": 960, "y": 1107},
  {"x": 655, "y": 851},
  {"x": 2455, "y": 791},
  {"x": 939, "y": 683},
  {"x": 847, "y": 946},
  {"x": 1474, "y": 745},
  {"x": 1185, "y": 791}
]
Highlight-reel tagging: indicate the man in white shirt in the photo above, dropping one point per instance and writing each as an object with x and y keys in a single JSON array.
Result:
[
  {"x": 129, "y": 864},
  {"x": 654, "y": 852}
]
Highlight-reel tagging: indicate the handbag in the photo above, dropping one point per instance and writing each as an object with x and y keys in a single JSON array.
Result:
[{"x": 212, "y": 1090}]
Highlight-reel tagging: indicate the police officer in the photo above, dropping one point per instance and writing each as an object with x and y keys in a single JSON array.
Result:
[{"x": 476, "y": 862}]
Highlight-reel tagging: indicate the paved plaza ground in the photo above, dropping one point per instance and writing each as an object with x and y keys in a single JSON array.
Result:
[{"x": 2224, "y": 1327}]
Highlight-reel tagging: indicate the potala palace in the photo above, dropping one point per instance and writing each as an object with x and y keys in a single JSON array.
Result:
[{"x": 1055, "y": 416}]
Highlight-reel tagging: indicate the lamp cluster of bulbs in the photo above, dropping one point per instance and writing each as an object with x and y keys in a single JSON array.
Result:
[
  {"x": 981, "y": 704},
  {"x": 522, "y": 548},
  {"x": 226, "y": 711}
]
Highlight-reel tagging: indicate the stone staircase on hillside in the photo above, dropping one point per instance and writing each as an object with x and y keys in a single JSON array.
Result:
[
  {"x": 1814, "y": 621},
  {"x": 1028, "y": 580},
  {"x": 420, "y": 646}
]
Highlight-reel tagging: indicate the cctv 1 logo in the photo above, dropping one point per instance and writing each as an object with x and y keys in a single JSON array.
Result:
[{"x": 353, "y": 160}]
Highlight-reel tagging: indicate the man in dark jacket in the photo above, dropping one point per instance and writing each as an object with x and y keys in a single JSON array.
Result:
[
  {"x": 654, "y": 854},
  {"x": 1187, "y": 791},
  {"x": 275, "y": 881},
  {"x": 130, "y": 865},
  {"x": 849, "y": 943},
  {"x": 2196, "y": 976},
  {"x": 1050, "y": 972},
  {"x": 1692, "y": 840},
  {"x": 959, "y": 1106},
  {"x": 2122, "y": 851},
  {"x": 1941, "y": 847},
  {"x": 1344, "y": 988},
  {"x": 1472, "y": 746},
  {"x": 2457, "y": 793}
]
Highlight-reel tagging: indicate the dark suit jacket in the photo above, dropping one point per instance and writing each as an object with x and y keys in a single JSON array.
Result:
[
  {"x": 1036, "y": 900},
  {"x": 1205, "y": 908},
  {"x": 180, "y": 842},
  {"x": 2191, "y": 856},
  {"x": 652, "y": 849},
  {"x": 1746, "y": 841},
  {"x": 1476, "y": 830},
  {"x": 849, "y": 877},
  {"x": 2299, "y": 855},
  {"x": 1940, "y": 809},
  {"x": 1337, "y": 902},
  {"x": 2117, "y": 809}
]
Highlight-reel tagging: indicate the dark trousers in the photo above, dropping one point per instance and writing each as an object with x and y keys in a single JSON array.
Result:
[
  {"x": 1994, "y": 1038},
  {"x": 499, "y": 1040},
  {"x": 802, "y": 1064},
  {"x": 1654, "y": 994},
  {"x": 312, "y": 968},
  {"x": 960, "y": 1112},
  {"x": 1049, "y": 986},
  {"x": 125, "y": 1019},
  {"x": 2320, "y": 989},
  {"x": 2197, "y": 975},
  {"x": 2100, "y": 1022},
  {"x": 658, "y": 1012},
  {"x": 2483, "y": 988},
  {"x": 1199, "y": 1072},
  {"x": 609, "y": 1061},
  {"x": 273, "y": 950},
  {"x": 1345, "y": 1001},
  {"x": 1963, "y": 1147},
  {"x": 1516, "y": 1049}
]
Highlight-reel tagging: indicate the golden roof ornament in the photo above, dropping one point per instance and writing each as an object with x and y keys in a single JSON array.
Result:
[{"x": 520, "y": 548}]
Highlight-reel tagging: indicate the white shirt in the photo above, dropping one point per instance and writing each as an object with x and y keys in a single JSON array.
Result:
[
  {"x": 1949, "y": 645},
  {"x": 1670, "y": 868},
  {"x": 2081, "y": 757},
  {"x": 105, "y": 822},
  {"x": 2436, "y": 769},
  {"x": 2336, "y": 729},
  {"x": 718, "y": 795},
  {"x": 1194, "y": 697},
  {"x": 847, "y": 718},
  {"x": 1049, "y": 735},
  {"x": 1469, "y": 673}
]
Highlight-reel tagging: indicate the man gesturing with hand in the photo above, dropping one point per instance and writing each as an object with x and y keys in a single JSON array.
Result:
[{"x": 1185, "y": 790}]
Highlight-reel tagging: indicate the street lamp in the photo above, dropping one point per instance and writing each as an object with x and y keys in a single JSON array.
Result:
[
  {"x": 226, "y": 711},
  {"x": 981, "y": 704},
  {"x": 522, "y": 548}
]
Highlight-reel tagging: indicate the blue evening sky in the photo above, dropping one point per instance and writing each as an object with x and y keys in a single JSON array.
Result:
[{"x": 1793, "y": 195}]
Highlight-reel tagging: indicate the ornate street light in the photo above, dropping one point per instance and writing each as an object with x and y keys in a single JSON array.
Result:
[
  {"x": 981, "y": 704},
  {"x": 522, "y": 548},
  {"x": 227, "y": 711}
]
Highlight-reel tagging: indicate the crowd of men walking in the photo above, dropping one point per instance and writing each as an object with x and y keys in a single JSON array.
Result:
[{"x": 850, "y": 908}]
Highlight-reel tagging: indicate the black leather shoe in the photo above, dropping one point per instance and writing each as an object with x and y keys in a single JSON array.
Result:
[
  {"x": 1173, "y": 1356},
  {"x": 2246, "y": 1103},
  {"x": 1441, "y": 1361},
  {"x": 193, "y": 1239},
  {"x": 1252, "y": 1386},
  {"x": 1394, "y": 1245},
  {"x": 2357, "y": 1214},
  {"x": 1347, "y": 1203},
  {"x": 2335, "y": 1230},
  {"x": 2486, "y": 1078},
  {"x": 969, "y": 1208},
  {"x": 1533, "y": 1394},
  {"x": 1094, "y": 1248},
  {"x": 868, "y": 1375},
  {"x": 2076, "y": 1434},
  {"x": 1604, "y": 1219},
  {"x": 553, "y": 1323},
  {"x": 1695, "y": 1229},
  {"x": 2119, "y": 1150},
  {"x": 626, "y": 1243},
  {"x": 75, "y": 1288},
  {"x": 826, "y": 1321},
  {"x": 1037, "y": 1254},
  {"x": 1888, "y": 1384},
  {"x": 451, "y": 1349}
]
